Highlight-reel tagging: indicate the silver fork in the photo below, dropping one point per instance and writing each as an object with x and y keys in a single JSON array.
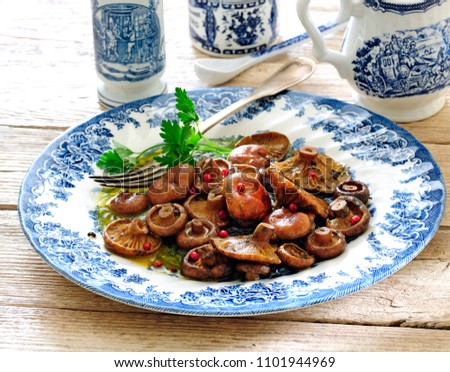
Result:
[{"x": 291, "y": 73}]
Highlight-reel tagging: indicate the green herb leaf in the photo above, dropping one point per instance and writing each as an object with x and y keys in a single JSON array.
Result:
[
  {"x": 181, "y": 142},
  {"x": 185, "y": 107},
  {"x": 111, "y": 162}
]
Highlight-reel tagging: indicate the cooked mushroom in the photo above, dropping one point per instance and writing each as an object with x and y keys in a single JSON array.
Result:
[
  {"x": 325, "y": 243},
  {"x": 197, "y": 232},
  {"x": 211, "y": 174},
  {"x": 246, "y": 170},
  {"x": 212, "y": 208},
  {"x": 247, "y": 199},
  {"x": 353, "y": 188},
  {"x": 348, "y": 215},
  {"x": 173, "y": 186},
  {"x": 252, "y": 270},
  {"x": 290, "y": 225},
  {"x": 166, "y": 219},
  {"x": 131, "y": 238},
  {"x": 255, "y": 248},
  {"x": 128, "y": 203},
  {"x": 313, "y": 171},
  {"x": 277, "y": 144},
  {"x": 255, "y": 155},
  {"x": 294, "y": 256},
  {"x": 204, "y": 263},
  {"x": 287, "y": 193}
]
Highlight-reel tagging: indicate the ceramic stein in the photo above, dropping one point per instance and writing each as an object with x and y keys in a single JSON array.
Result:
[
  {"x": 129, "y": 49},
  {"x": 395, "y": 54},
  {"x": 227, "y": 28}
]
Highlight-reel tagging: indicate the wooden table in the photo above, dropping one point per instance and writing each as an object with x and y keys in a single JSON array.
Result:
[{"x": 48, "y": 84}]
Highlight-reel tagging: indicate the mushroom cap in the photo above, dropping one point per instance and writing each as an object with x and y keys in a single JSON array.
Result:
[
  {"x": 246, "y": 198},
  {"x": 128, "y": 203},
  {"x": 214, "y": 169},
  {"x": 255, "y": 155},
  {"x": 276, "y": 144},
  {"x": 166, "y": 219},
  {"x": 130, "y": 238},
  {"x": 289, "y": 225},
  {"x": 210, "y": 208},
  {"x": 325, "y": 243},
  {"x": 294, "y": 256},
  {"x": 342, "y": 212},
  {"x": 353, "y": 188},
  {"x": 286, "y": 193},
  {"x": 255, "y": 248},
  {"x": 252, "y": 270},
  {"x": 207, "y": 263},
  {"x": 197, "y": 232},
  {"x": 313, "y": 171},
  {"x": 173, "y": 185}
]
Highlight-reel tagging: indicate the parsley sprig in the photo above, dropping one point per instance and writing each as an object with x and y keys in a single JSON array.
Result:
[{"x": 182, "y": 142}]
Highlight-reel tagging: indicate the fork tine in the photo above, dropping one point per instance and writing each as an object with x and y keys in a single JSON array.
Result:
[
  {"x": 149, "y": 173},
  {"x": 136, "y": 172},
  {"x": 141, "y": 180}
]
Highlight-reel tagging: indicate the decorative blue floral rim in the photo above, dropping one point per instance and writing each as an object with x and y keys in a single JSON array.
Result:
[
  {"x": 57, "y": 203},
  {"x": 403, "y": 8}
]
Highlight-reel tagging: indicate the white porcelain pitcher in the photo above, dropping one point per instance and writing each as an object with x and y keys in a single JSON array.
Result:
[{"x": 395, "y": 54}]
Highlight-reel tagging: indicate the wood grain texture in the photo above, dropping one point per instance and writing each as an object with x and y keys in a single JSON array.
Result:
[{"x": 48, "y": 84}]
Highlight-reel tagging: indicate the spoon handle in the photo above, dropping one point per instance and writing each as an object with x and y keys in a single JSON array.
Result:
[
  {"x": 280, "y": 47},
  {"x": 291, "y": 73},
  {"x": 214, "y": 71}
]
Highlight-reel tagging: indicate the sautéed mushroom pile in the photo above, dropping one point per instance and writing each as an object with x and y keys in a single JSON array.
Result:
[{"x": 263, "y": 208}]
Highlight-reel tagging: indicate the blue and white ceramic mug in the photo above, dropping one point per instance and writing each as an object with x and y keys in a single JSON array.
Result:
[
  {"x": 228, "y": 28},
  {"x": 129, "y": 49},
  {"x": 395, "y": 54}
]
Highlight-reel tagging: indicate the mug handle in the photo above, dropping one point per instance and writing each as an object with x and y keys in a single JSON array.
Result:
[{"x": 320, "y": 51}]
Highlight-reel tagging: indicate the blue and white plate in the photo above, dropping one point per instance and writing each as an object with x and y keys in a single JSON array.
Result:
[{"x": 57, "y": 203}]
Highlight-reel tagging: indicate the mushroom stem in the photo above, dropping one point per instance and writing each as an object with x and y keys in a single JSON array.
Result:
[
  {"x": 323, "y": 235},
  {"x": 307, "y": 153},
  {"x": 137, "y": 227},
  {"x": 340, "y": 208},
  {"x": 350, "y": 188},
  {"x": 263, "y": 232},
  {"x": 215, "y": 202},
  {"x": 197, "y": 227},
  {"x": 166, "y": 212}
]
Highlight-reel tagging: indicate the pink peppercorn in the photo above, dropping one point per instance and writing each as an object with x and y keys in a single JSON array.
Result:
[
  {"x": 207, "y": 177},
  {"x": 312, "y": 174},
  {"x": 225, "y": 172},
  {"x": 223, "y": 215},
  {"x": 355, "y": 219},
  {"x": 157, "y": 263},
  {"x": 223, "y": 233},
  {"x": 293, "y": 207},
  {"x": 147, "y": 246},
  {"x": 192, "y": 190},
  {"x": 240, "y": 187},
  {"x": 194, "y": 256}
]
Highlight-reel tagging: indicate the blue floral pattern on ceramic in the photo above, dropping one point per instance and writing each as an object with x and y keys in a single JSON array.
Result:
[
  {"x": 242, "y": 26},
  {"x": 407, "y": 63},
  {"x": 128, "y": 41},
  {"x": 57, "y": 203},
  {"x": 414, "y": 6}
]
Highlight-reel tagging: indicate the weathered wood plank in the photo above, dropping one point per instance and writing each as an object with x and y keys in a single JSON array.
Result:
[{"x": 66, "y": 330}]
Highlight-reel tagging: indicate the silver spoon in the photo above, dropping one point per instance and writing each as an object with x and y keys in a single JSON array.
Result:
[
  {"x": 288, "y": 75},
  {"x": 217, "y": 71}
]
